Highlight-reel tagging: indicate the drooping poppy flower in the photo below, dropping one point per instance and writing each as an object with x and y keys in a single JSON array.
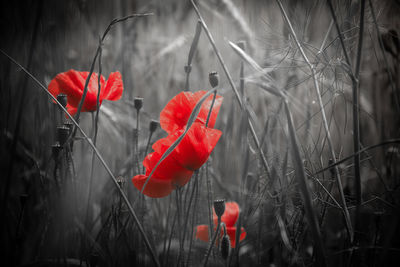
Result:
[
  {"x": 177, "y": 168},
  {"x": 229, "y": 217},
  {"x": 72, "y": 83},
  {"x": 176, "y": 113},
  {"x": 190, "y": 154}
]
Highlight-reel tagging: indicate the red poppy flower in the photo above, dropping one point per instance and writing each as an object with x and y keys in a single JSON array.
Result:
[
  {"x": 190, "y": 154},
  {"x": 195, "y": 147},
  {"x": 176, "y": 113},
  {"x": 72, "y": 83},
  {"x": 229, "y": 217}
]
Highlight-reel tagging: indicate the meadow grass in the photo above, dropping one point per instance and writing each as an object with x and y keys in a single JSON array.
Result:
[{"x": 309, "y": 119}]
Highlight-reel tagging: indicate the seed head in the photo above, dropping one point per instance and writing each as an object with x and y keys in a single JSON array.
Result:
[
  {"x": 138, "y": 103},
  {"x": 153, "y": 125},
  {"x": 62, "y": 134},
  {"x": 62, "y": 98},
  {"x": 69, "y": 124},
  {"x": 121, "y": 181},
  {"x": 219, "y": 207},
  {"x": 213, "y": 77},
  {"x": 225, "y": 246},
  {"x": 188, "y": 69}
]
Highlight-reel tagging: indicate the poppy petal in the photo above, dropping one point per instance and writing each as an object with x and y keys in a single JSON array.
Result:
[
  {"x": 176, "y": 113},
  {"x": 68, "y": 83},
  {"x": 202, "y": 232},
  {"x": 231, "y": 213},
  {"x": 194, "y": 149},
  {"x": 71, "y": 110},
  {"x": 90, "y": 103},
  {"x": 205, "y": 108},
  {"x": 72, "y": 83},
  {"x": 114, "y": 87},
  {"x": 169, "y": 169},
  {"x": 231, "y": 232},
  {"x": 155, "y": 187}
]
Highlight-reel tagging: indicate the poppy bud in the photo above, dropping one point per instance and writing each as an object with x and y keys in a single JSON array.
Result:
[
  {"x": 225, "y": 246},
  {"x": 219, "y": 207},
  {"x": 153, "y": 125},
  {"x": 22, "y": 199},
  {"x": 62, "y": 98},
  {"x": 62, "y": 134},
  {"x": 138, "y": 103},
  {"x": 56, "y": 148},
  {"x": 213, "y": 77},
  {"x": 121, "y": 181},
  {"x": 188, "y": 69}
]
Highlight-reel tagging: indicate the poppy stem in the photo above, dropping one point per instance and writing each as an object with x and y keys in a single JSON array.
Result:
[
  {"x": 110, "y": 25},
  {"x": 212, "y": 242},
  {"x": 188, "y": 209},
  {"x": 136, "y": 136},
  {"x": 95, "y": 127},
  {"x": 194, "y": 216},
  {"x": 178, "y": 194},
  {"x": 209, "y": 198}
]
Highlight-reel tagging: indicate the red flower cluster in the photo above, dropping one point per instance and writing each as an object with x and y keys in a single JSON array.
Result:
[
  {"x": 229, "y": 217},
  {"x": 72, "y": 83},
  {"x": 191, "y": 153}
]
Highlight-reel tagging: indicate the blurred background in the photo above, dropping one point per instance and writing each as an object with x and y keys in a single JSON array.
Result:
[{"x": 49, "y": 37}]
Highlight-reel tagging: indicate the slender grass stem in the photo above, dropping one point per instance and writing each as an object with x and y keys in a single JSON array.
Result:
[
  {"x": 187, "y": 215},
  {"x": 194, "y": 216},
  {"x": 356, "y": 121}
]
